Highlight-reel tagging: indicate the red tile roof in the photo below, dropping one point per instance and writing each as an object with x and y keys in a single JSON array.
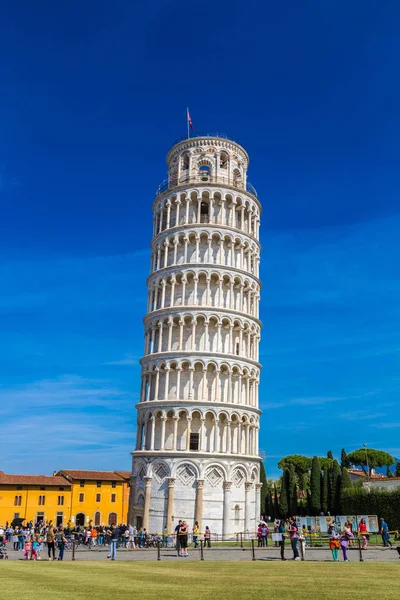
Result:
[
  {"x": 32, "y": 480},
  {"x": 91, "y": 475},
  {"x": 124, "y": 474}
]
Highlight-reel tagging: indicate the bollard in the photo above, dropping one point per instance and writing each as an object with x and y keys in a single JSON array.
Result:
[
  {"x": 158, "y": 550},
  {"x": 302, "y": 549},
  {"x": 73, "y": 549},
  {"x": 241, "y": 539},
  {"x": 253, "y": 552},
  {"x": 201, "y": 550},
  {"x": 360, "y": 550}
]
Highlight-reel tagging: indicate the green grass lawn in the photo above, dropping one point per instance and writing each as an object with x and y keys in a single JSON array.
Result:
[{"x": 205, "y": 581}]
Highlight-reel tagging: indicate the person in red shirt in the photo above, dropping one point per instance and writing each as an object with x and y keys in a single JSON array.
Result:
[{"x": 362, "y": 531}]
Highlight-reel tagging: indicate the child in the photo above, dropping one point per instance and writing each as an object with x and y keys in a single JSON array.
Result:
[
  {"x": 35, "y": 549},
  {"x": 27, "y": 549}
]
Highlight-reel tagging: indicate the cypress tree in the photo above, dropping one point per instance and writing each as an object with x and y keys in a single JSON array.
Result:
[
  {"x": 283, "y": 499},
  {"x": 324, "y": 492},
  {"x": 315, "y": 485},
  {"x": 264, "y": 489},
  {"x": 309, "y": 511},
  {"x": 276, "y": 503},
  {"x": 397, "y": 472},
  {"x": 329, "y": 454},
  {"x": 336, "y": 487},
  {"x": 292, "y": 490},
  {"x": 346, "y": 481},
  {"x": 344, "y": 462}
]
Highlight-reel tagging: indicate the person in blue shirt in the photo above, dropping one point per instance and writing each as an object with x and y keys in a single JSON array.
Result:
[{"x": 384, "y": 530}]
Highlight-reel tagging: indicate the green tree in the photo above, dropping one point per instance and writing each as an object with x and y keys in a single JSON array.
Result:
[
  {"x": 301, "y": 465},
  {"x": 292, "y": 489},
  {"x": 374, "y": 458},
  {"x": 315, "y": 485},
  {"x": 397, "y": 472},
  {"x": 388, "y": 472},
  {"x": 324, "y": 492},
  {"x": 276, "y": 503},
  {"x": 283, "y": 499},
  {"x": 344, "y": 462},
  {"x": 336, "y": 488},
  {"x": 346, "y": 481},
  {"x": 329, "y": 454},
  {"x": 264, "y": 489}
]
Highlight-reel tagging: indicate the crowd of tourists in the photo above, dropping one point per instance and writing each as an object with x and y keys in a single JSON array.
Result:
[
  {"x": 33, "y": 538},
  {"x": 339, "y": 537}
]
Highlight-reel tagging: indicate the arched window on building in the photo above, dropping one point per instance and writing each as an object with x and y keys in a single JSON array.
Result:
[
  {"x": 205, "y": 173},
  {"x": 97, "y": 519},
  {"x": 112, "y": 518}
]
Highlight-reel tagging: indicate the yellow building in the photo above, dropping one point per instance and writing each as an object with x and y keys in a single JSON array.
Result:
[
  {"x": 34, "y": 498},
  {"x": 69, "y": 496},
  {"x": 98, "y": 497}
]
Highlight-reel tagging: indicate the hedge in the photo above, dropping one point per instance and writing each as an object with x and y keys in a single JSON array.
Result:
[{"x": 378, "y": 501}]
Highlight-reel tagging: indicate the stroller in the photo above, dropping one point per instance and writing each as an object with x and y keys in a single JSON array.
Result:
[{"x": 3, "y": 551}]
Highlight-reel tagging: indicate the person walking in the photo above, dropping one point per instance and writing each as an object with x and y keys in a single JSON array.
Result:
[
  {"x": 294, "y": 538},
  {"x": 384, "y": 530},
  {"x": 61, "y": 541},
  {"x": 362, "y": 531},
  {"x": 195, "y": 534},
  {"x": 50, "y": 543},
  {"x": 282, "y": 531}
]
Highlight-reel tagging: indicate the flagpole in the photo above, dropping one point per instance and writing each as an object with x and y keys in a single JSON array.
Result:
[{"x": 187, "y": 120}]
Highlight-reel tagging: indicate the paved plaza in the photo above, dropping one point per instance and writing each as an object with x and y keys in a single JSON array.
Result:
[{"x": 372, "y": 554}]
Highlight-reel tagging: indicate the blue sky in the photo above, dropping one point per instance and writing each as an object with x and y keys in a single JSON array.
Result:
[{"x": 93, "y": 95}]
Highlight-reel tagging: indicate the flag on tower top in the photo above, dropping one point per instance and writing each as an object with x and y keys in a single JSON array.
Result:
[{"x": 189, "y": 120}]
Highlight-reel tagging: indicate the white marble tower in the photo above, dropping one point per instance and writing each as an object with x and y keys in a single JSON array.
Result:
[{"x": 196, "y": 454}]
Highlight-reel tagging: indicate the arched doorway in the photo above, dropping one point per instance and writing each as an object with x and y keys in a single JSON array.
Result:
[
  {"x": 112, "y": 518},
  {"x": 97, "y": 518},
  {"x": 80, "y": 520}
]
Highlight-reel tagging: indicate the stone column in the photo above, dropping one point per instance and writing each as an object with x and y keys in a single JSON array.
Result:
[
  {"x": 216, "y": 436},
  {"x": 162, "y": 442},
  {"x": 173, "y": 283},
  {"x": 228, "y": 437},
  {"x": 204, "y": 383},
  {"x": 175, "y": 438},
  {"x": 166, "y": 390},
  {"x": 258, "y": 501},
  {"x": 157, "y": 383},
  {"x": 153, "y": 432},
  {"x": 226, "y": 513},
  {"x": 201, "y": 436},
  {"x": 199, "y": 502},
  {"x": 178, "y": 381},
  {"x": 248, "y": 486},
  {"x": 146, "y": 510},
  {"x": 170, "y": 505},
  {"x": 189, "y": 421},
  {"x": 169, "y": 343}
]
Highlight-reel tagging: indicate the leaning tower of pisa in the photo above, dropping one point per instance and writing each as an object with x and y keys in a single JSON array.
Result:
[{"x": 196, "y": 455}]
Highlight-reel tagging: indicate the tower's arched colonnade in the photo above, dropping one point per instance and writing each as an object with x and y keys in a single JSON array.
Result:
[{"x": 196, "y": 455}]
